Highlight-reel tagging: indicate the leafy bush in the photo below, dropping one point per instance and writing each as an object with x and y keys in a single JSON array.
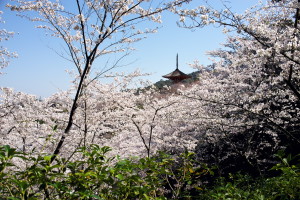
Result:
[
  {"x": 286, "y": 186},
  {"x": 98, "y": 176}
]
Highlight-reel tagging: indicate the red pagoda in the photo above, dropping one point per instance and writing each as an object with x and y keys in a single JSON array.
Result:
[{"x": 177, "y": 76}]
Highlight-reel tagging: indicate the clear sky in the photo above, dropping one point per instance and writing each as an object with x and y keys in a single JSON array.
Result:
[{"x": 40, "y": 71}]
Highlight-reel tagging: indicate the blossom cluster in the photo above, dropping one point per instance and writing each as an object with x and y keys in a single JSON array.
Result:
[{"x": 5, "y": 54}]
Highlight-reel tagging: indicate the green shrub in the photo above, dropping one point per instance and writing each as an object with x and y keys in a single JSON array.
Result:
[
  {"x": 97, "y": 176},
  {"x": 285, "y": 186}
]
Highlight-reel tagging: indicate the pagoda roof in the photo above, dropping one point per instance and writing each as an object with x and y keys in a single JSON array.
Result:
[{"x": 177, "y": 75}]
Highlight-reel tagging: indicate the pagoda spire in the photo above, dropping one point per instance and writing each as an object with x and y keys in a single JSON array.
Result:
[{"x": 177, "y": 61}]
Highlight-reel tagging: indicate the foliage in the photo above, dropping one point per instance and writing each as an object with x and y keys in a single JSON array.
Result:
[
  {"x": 98, "y": 176},
  {"x": 286, "y": 186},
  {"x": 238, "y": 186}
]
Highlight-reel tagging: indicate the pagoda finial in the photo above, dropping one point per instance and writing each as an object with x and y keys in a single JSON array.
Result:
[{"x": 177, "y": 61}]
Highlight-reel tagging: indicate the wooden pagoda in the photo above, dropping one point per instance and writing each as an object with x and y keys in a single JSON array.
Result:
[{"x": 177, "y": 76}]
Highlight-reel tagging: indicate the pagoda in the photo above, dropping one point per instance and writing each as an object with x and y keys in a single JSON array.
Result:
[{"x": 177, "y": 76}]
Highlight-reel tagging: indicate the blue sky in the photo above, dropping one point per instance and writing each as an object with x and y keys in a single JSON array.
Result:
[{"x": 40, "y": 71}]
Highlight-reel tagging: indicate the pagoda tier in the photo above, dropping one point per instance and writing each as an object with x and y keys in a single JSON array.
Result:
[{"x": 177, "y": 75}]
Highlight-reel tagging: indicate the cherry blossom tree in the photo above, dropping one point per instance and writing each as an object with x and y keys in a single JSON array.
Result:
[
  {"x": 251, "y": 92},
  {"x": 91, "y": 29},
  {"x": 273, "y": 30}
]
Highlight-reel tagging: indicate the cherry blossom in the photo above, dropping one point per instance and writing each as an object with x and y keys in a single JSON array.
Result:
[{"x": 5, "y": 54}]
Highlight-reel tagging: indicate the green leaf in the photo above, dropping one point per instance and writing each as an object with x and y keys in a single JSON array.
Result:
[
  {"x": 13, "y": 198},
  {"x": 146, "y": 196},
  {"x": 120, "y": 177},
  {"x": 285, "y": 161},
  {"x": 47, "y": 158}
]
